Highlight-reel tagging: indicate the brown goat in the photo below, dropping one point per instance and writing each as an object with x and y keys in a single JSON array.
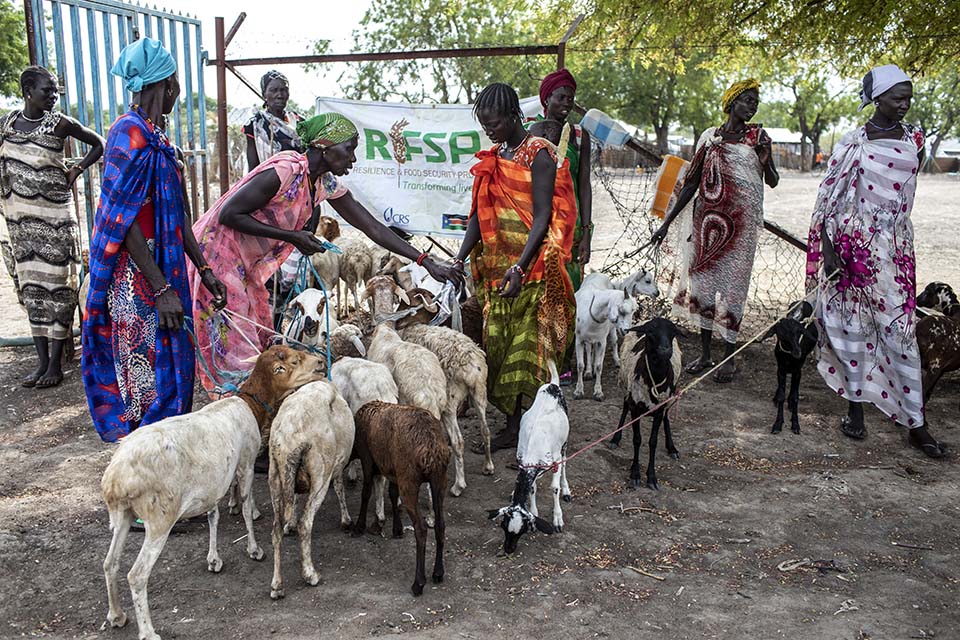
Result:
[
  {"x": 408, "y": 447},
  {"x": 938, "y": 339}
]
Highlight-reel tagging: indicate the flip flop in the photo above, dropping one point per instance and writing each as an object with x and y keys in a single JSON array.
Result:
[
  {"x": 935, "y": 449},
  {"x": 699, "y": 365},
  {"x": 847, "y": 429},
  {"x": 52, "y": 382},
  {"x": 30, "y": 381}
]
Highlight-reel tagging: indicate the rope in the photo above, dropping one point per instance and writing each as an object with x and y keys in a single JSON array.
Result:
[{"x": 675, "y": 398}]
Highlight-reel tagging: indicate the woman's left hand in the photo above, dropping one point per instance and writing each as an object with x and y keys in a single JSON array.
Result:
[
  {"x": 72, "y": 174},
  {"x": 763, "y": 149},
  {"x": 511, "y": 284},
  {"x": 583, "y": 252},
  {"x": 214, "y": 286}
]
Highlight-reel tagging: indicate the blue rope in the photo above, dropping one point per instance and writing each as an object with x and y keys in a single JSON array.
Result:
[
  {"x": 304, "y": 269},
  {"x": 237, "y": 377}
]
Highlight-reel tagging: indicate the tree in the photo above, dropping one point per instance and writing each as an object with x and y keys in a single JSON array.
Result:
[
  {"x": 395, "y": 25},
  {"x": 936, "y": 107},
  {"x": 815, "y": 107},
  {"x": 13, "y": 48}
]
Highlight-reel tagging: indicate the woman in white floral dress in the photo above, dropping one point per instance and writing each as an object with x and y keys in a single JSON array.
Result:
[{"x": 860, "y": 255}]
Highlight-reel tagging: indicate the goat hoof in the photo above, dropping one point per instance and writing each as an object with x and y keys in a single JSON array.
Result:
[
  {"x": 598, "y": 396},
  {"x": 636, "y": 483},
  {"x": 558, "y": 528},
  {"x": 613, "y": 445},
  {"x": 356, "y": 532},
  {"x": 488, "y": 469},
  {"x": 215, "y": 566},
  {"x": 345, "y": 525},
  {"x": 311, "y": 577},
  {"x": 416, "y": 589},
  {"x": 795, "y": 428},
  {"x": 256, "y": 554},
  {"x": 377, "y": 528},
  {"x": 397, "y": 534},
  {"x": 289, "y": 529},
  {"x": 437, "y": 578},
  {"x": 652, "y": 484},
  {"x": 456, "y": 490},
  {"x": 577, "y": 394},
  {"x": 276, "y": 594},
  {"x": 234, "y": 509},
  {"x": 777, "y": 428},
  {"x": 117, "y": 621},
  {"x": 256, "y": 514},
  {"x": 567, "y": 497},
  {"x": 675, "y": 455}
]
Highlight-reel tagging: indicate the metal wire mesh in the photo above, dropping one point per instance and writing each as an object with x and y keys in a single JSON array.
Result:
[{"x": 777, "y": 278}]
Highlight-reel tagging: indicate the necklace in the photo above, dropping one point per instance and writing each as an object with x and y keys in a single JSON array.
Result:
[
  {"x": 879, "y": 128},
  {"x": 505, "y": 148},
  {"x": 24, "y": 116},
  {"x": 734, "y": 133}
]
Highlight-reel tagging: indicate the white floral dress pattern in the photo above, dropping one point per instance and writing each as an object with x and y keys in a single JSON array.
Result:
[{"x": 867, "y": 349}]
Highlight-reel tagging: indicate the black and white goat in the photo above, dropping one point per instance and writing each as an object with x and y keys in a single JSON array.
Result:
[
  {"x": 543, "y": 442},
  {"x": 650, "y": 367},
  {"x": 796, "y": 337},
  {"x": 938, "y": 296}
]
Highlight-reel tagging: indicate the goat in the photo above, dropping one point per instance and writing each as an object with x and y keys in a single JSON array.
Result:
[
  {"x": 938, "y": 296},
  {"x": 312, "y": 437},
  {"x": 183, "y": 465},
  {"x": 356, "y": 266},
  {"x": 542, "y": 445},
  {"x": 471, "y": 315},
  {"x": 307, "y": 318},
  {"x": 600, "y": 313},
  {"x": 641, "y": 283},
  {"x": 796, "y": 337},
  {"x": 393, "y": 266},
  {"x": 407, "y": 446},
  {"x": 346, "y": 341},
  {"x": 938, "y": 340},
  {"x": 420, "y": 378},
  {"x": 651, "y": 367},
  {"x": 465, "y": 367},
  {"x": 327, "y": 263}
]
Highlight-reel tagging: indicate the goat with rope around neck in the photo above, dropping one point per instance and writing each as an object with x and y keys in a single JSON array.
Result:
[
  {"x": 651, "y": 367},
  {"x": 796, "y": 335}
]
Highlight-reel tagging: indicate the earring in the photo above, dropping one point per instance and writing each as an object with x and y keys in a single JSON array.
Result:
[{"x": 169, "y": 92}]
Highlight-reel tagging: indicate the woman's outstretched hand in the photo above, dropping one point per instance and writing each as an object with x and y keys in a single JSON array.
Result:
[
  {"x": 214, "y": 286},
  {"x": 305, "y": 242},
  {"x": 446, "y": 272}
]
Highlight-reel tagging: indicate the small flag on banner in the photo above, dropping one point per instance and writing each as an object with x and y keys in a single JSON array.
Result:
[{"x": 455, "y": 221}]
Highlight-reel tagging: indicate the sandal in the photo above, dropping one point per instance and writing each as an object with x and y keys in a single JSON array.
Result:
[
  {"x": 846, "y": 426},
  {"x": 31, "y": 380},
  {"x": 46, "y": 382},
  {"x": 934, "y": 449},
  {"x": 699, "y": 365},
  {"x": 725, "y": 377},
  {"x": 566, "y": 378}
]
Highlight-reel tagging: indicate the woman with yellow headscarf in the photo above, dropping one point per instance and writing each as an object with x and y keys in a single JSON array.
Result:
[
  {"x": 253, "y": 228},
  {"x": 727, "y": 173}
]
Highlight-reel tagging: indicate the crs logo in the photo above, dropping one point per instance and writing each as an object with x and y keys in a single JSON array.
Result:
[{"x": 394, "y": 218}]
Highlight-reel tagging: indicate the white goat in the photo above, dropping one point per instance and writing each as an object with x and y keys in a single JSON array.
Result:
[
  {"x": 327, "y": 263},
  {"x": 600, "y": 313},
  {"x": 421, "y": 278},
  {"x": 640, "y": 283},
  {"x": 312, "y": 437},
  {"x": 393, "y": 267},
  {"x": 544, "y": 429},
  {"x": 307, "y": 314},
  {"x": 183, "y": 465},
  {"x": 356, "y": 266}
]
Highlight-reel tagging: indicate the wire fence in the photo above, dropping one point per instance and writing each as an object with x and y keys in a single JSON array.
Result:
[{"x": 777, "y": 278}]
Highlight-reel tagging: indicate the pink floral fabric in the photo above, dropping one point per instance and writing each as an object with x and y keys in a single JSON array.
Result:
[
  {"x": 868, "y": 348},
  {"x": 244, "y": 263}
]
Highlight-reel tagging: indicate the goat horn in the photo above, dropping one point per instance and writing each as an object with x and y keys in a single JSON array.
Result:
[{"x": 359, "y": 345}]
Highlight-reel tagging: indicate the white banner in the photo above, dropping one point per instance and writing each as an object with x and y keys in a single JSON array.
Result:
[{"x": 413, "y": 161}]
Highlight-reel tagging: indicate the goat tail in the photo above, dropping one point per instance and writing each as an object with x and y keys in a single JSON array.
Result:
[
  {"x": 554, "y": 374},
  {"x": 288, "y": 479}
]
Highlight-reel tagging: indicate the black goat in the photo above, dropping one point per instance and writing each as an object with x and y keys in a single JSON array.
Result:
[
  {"x": 940, "y": 297},
  {"x": 649, "y": 370},
  {"x": 796, "y": 337}
]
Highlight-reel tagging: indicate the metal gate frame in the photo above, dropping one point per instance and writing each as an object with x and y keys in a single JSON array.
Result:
[{"x": 95, "y": 39}]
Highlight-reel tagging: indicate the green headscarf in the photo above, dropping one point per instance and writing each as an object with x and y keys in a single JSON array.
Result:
[{"x": 325, "y": 129}]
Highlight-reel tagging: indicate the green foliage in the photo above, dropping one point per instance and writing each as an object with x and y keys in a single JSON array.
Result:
[
  {"x": 13, "y": 48},
  {"x": 936, "y": 105}
]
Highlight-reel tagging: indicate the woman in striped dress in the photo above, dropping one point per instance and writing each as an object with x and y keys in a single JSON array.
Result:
[{"x": 42, "y": 244}]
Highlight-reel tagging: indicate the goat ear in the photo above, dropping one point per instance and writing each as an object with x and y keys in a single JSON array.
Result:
[
  {"x": 493, "y": 514},
  {"x": 543, "y": 526}
]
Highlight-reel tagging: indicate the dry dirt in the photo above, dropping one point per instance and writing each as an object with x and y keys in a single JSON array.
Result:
[{"x": 737, "y": 504}]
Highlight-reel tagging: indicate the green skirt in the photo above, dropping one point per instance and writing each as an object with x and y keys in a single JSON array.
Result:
[{"x": 513, "y": 363}]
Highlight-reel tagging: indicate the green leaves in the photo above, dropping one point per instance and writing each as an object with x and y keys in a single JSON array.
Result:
[{"x": 13, "y": 48}]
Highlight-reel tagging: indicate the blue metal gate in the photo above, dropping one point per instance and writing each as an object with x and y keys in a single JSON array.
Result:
[{"x": 80, "y": 40}]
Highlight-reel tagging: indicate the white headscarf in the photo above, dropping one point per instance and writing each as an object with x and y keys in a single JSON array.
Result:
[{"x": 878, "y": 81}]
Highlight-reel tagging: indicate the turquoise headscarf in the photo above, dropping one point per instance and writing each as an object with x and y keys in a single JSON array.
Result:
[{"x": 144, "y": 62}]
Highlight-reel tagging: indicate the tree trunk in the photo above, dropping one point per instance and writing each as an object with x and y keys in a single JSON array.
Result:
[{"x": 663, "y": 131}]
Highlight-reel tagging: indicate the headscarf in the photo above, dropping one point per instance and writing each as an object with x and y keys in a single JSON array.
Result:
[
  {"x": 555, "y": 80},
  {"x": 733, "y": 92},
  {"x": 878, "y": 81},
  {"x": 144, "y": 62},
  {"x": 269, "y": 77},
  {"x": 325, "y": 129}
]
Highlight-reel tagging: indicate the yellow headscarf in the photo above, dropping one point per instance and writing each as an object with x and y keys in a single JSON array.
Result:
[{"x": 735, "y": 90}]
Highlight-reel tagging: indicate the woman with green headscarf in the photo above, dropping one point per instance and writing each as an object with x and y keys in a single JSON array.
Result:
[{"x": 253, "y": 228}]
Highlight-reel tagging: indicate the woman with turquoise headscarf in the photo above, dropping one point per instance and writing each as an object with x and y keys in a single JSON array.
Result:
[
  {"x": 138, "y": 361},
  {"x": 252, "y": 229}
]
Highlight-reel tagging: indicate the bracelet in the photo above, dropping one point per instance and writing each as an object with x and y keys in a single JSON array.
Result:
[
  {"x": 203, "y": 268},
  {"x": 162, "y": 290},
  {"x": 423, "y": 256},
  {"x": 517, "y": 267},
  {"x": 587, "y": 226},
  {"x": 458, "y": 261}
]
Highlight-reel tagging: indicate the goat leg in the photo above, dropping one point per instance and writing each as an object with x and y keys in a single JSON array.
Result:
[
  {"x": 277, "y": 499},
  {"x": 140, "y": 573},
  {"x": 793, "y": 400},
  {"x": 361, "y": 523},
  {"x": 600, "y": 349},
  {"x": 245, "y": 481},
  {"x": 637, "y": 441},
  {"x": 345, "y": 520},
  {"x": 449, "y": 417},
  {"x": 439, "y": 526},
  {"x": 668, "y": 434},
  {"x": 318, "y": 490},
  {"x": 778, "y": 399},
  {"x": 395, "y": 509},
  {"x": 214, "y": 563},
  {"x": 578, "y": 389},
  {"x": 111, "y": 565},
  {"x": 654, "y": 433},
  {"x": 557, "y": 511},
  {"x": 412, "y": 507},
  {"x": 564, "y": 487},
  {"x": 614, "y": 441}
]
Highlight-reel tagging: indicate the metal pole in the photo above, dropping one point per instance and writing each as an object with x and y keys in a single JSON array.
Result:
[
  {"x": 222, "y": 109},
  {"x": 562, "y": 45},
  {"x": 31, "y": 35}
]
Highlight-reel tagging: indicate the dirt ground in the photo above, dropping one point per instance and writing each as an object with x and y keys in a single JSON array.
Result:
[{"x": 738, "y": 506}]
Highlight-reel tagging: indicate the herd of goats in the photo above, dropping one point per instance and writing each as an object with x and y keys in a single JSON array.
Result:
[{"x": 392, "y": 399}]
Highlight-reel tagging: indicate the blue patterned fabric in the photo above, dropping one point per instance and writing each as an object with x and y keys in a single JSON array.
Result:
[{"x": 138, "y": 162}]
